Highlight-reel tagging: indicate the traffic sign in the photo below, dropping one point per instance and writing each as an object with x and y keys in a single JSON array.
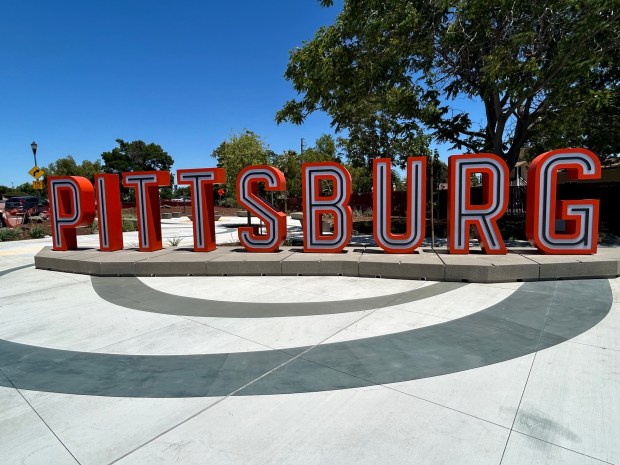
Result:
[
  {"x": 37, "y": 185},
  {"x": 36, "y": 172}
]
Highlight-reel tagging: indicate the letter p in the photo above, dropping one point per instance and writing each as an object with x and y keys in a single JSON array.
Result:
[{"x": 72, "y": 200}]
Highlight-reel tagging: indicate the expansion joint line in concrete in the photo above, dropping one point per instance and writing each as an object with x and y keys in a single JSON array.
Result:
[{"x": 39, "y": 415}]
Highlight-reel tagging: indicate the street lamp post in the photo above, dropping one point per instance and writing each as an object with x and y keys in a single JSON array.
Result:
[{"x": 33, "y": 146}]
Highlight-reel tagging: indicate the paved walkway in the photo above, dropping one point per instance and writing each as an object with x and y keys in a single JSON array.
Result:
[{"x": 303, "y": 369}]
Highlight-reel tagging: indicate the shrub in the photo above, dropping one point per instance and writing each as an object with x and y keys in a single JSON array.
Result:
[
  {"x": 129, "y": 225},
  {"x": 8, "y": 234},
  {"x": 37, "y": 232}
]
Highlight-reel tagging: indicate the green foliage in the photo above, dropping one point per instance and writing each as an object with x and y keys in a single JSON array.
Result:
[
  {"x": 324, "y": 150},
  {"x": 8, "y": 234},
  {"x": 239, "y": 151},
  {"x": 371, "y": 138},
  {"x": 182, "y": 192},
  {"x": 588, "y": 116},
  {"x": 23, "y": 189},
  {"x": 67, "y": 166},
  {"x": 361, "y": 177},
  {"x": 388, "y": 71},
  {"x": 290, "y": 162},
  {"x": 136, "y": 156},
  {"x": 290, "y": 165},
  {"x": 174, "y": 241},
  {"x": 129, "y": 224},
  {"x": 166, "y": 192},
  {"x": 36, "y": 232},
  {"x": 440, "y": 170}
]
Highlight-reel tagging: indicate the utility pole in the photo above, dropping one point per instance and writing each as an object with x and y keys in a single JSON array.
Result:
[{"x": 303, "y": 145}]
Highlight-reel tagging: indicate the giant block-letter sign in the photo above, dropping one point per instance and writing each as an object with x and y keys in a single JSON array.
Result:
[
  {"x": 110, "y": 224},
  {"x": 72, "y": 200},
  {"x": 462, "y": 213},
  {"x": 200, "y": 181},
  {"x": 416, "y": 205},
  {"x": 146, "y": 185},
  {"x": 580, "y": 216},
  {"x": 318, "y": 201},
  {"x": 248, "y": 198}
]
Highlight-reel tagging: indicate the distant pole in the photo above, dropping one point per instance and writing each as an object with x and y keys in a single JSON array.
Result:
[{"x": 302, "y": 145}]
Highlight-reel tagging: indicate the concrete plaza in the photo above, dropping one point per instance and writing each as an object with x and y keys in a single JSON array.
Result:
[{"x": 304, "y": 369}]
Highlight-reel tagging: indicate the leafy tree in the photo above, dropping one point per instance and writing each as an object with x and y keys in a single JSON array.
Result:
[
  {"x": 440, "y": 170},
  {"x": 587, "y": 117},
  {"x": 67, "y": 166},
  {"x": 136, "y": 156},
  {"x": 239, "y": 151},
  {"x": 290, "y": 165},
  {"x": 23, "y": 189},
  {"x": 182, "y": 192},
  {"x": 166, "y": 193},
  {"x": 361, "y": 177},
  {"x": 374, "y": 137},
  {"x": 324, "y": 150},
  {"x": 394, "y": 69},
  {"x": 290, "y": 161}
]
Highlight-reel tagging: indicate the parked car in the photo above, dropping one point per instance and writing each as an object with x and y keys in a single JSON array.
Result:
[{"x": 27, "y": 206}]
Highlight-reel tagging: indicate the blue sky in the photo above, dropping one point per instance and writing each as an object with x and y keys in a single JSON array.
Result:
[{"x": 77, "y": 75}]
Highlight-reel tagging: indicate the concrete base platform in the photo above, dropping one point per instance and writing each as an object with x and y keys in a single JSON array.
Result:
[{"x": 520, "y": 264}]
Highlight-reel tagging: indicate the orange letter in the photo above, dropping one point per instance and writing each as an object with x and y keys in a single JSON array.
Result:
[
  {"x": 146, "y": 184},
  {"x": 248, "y": 198},
  {"x": 201, "y": 182},
  {"x": 110, "y": 224},
  {"x": 581, "y": 216},
  {"x": 462, "y": 214},
  {"x": 316, "y": 205},
  {"x": 72, "y": 200},
  {"x": 416, "y": 205}
]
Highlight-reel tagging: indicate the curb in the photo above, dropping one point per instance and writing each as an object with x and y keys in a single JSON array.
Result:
[{"x": 520, "y": 264}]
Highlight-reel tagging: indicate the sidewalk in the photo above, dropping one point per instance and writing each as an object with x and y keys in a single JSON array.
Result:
[{"x": 304, "y": 369}]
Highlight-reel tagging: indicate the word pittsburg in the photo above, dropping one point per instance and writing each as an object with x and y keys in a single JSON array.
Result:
[{"x": 74, "y": 201}]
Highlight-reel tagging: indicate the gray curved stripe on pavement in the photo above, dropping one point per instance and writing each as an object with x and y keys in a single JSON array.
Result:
[
  {"x": 537, "y": 316},
  {"x": 133, "y": 293},
  {"x": 17, "y": 268}
]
